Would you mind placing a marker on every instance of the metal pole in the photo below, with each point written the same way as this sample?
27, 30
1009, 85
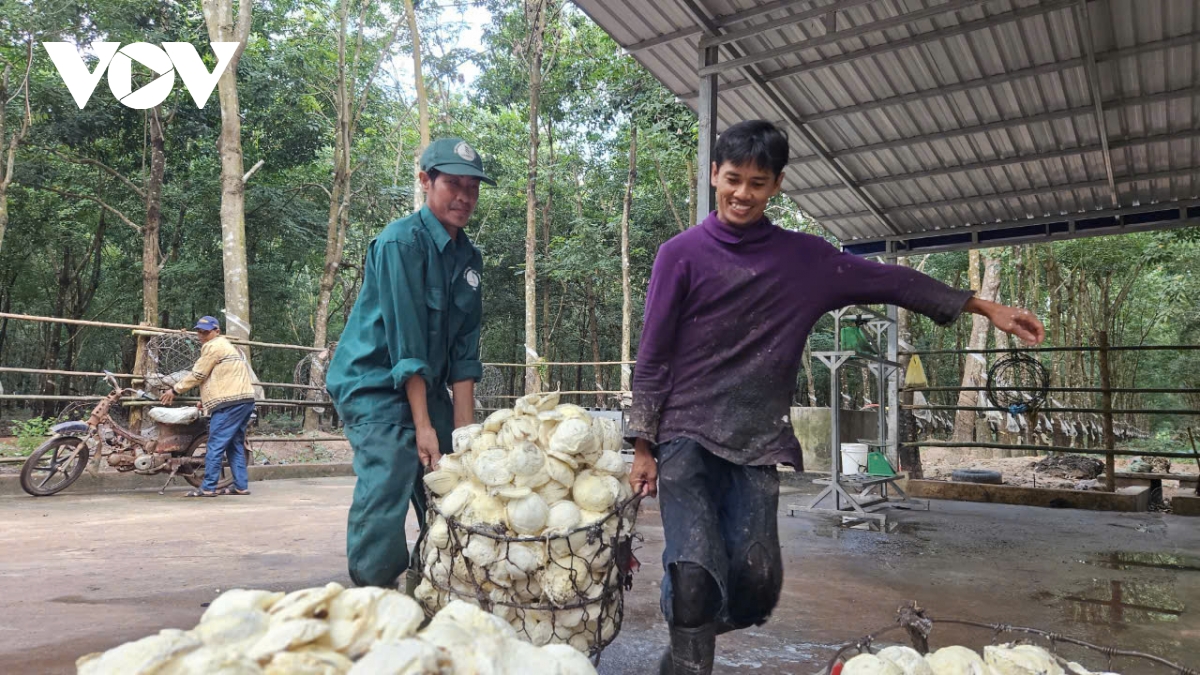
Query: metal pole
1196, 454
835, 405
1110, 442
1083, 25
893, 395
705, 198
1041, 448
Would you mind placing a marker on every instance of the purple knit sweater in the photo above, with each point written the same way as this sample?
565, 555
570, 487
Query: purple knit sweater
728, 311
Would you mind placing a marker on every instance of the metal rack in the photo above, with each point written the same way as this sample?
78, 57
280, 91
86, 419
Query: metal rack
860, 497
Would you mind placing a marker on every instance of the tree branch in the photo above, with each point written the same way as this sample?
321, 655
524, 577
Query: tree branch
25, 81
97, 200
291, 192
99, 165
667, 192
243, 24
362, 103
253, 170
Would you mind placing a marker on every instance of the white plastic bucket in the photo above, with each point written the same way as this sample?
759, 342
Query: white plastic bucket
854, 458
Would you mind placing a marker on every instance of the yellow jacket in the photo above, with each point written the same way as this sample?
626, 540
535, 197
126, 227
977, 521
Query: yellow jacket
223, 376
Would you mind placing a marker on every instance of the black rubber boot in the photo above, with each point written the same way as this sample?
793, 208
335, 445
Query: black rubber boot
664, 664
692, 650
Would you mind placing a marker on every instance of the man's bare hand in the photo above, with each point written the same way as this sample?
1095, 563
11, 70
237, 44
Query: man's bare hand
1015, 321
644, 475
168, 397
427, 447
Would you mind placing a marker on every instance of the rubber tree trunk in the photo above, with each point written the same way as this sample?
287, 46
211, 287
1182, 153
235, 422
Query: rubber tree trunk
536, 16
218, 15
626, 289
594, 334
808, 374
153, 224
691, 178
151, 250
10, 152
339, 208
422, 103
547, 210
964, 421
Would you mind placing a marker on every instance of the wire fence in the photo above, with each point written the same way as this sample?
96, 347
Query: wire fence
502, 382
1061, 428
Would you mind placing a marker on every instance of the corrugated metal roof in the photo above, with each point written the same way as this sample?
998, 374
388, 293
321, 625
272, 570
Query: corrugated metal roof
949, 113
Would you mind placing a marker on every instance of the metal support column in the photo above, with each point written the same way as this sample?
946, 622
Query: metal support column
835, 406
708, 134
894, 381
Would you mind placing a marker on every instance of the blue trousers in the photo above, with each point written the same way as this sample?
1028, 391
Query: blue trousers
227, 436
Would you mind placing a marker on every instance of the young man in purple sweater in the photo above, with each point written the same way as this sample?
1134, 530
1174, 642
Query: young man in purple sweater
728, 310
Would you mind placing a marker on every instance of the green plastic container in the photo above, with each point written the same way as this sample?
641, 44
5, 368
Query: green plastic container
878, 465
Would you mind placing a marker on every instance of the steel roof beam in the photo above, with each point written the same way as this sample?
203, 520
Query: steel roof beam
1001, 125
1007, 161
790, 20
681, 34
1083, 26
779, 103
1017, 194
721, 21
1183, 206
1042, 190
833, 38
1022, 232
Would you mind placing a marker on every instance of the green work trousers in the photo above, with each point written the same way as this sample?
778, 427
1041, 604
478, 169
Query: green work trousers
389, 477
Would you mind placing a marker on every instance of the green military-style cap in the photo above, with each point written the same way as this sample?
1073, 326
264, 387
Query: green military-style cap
456, 157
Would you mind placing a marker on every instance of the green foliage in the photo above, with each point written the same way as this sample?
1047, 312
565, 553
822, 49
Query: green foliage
31, 433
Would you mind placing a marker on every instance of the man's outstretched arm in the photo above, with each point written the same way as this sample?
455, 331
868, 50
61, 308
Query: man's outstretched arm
856, 280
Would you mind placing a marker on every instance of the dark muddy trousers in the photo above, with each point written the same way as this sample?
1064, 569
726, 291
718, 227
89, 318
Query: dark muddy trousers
722, 559
389, 477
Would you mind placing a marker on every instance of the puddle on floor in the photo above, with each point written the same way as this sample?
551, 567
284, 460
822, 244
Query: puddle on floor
1124, 560
1116, 602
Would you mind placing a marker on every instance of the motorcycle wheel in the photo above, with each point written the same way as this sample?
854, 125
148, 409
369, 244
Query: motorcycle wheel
198, 450
47, 472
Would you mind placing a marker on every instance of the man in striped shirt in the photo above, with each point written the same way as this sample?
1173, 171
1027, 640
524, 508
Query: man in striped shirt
227, 396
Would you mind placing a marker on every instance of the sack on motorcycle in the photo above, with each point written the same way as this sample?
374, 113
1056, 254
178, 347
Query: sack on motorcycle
175, 415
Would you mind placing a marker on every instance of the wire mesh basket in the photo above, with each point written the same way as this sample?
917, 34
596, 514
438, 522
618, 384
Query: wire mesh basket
914, 621
1018, 383
172, 353
565, 588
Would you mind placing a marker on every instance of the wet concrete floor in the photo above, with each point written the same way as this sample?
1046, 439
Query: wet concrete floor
80, 573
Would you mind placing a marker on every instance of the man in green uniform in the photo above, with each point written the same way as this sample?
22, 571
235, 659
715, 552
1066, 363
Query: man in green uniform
414, 331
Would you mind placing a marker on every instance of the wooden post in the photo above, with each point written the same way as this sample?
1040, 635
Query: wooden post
140, 367
1106, 403
910, 455
1196, 454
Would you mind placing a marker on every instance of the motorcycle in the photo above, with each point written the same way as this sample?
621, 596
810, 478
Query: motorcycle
162, 447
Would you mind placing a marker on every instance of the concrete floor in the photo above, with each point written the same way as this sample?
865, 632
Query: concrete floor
81, 573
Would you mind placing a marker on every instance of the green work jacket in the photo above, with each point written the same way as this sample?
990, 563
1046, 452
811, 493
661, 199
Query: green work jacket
418, 313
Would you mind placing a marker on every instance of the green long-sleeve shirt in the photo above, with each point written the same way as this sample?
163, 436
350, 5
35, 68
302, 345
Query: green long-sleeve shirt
418, 313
